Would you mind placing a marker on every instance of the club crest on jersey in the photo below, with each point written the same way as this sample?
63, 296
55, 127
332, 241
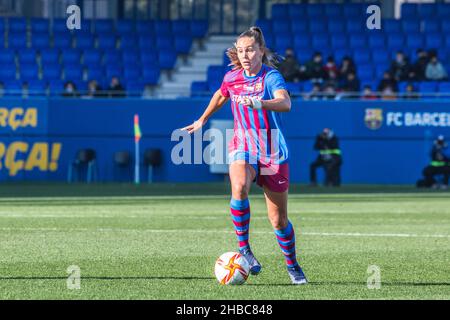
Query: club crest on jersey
258, 86
249, 88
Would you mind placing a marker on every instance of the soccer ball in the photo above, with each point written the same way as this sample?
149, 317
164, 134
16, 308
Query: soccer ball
231, 268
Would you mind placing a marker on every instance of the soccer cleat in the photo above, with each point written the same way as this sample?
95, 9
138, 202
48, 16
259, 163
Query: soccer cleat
297, 276
255, 266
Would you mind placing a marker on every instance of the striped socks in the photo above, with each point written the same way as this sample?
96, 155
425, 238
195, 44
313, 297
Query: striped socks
286, 240
240, 213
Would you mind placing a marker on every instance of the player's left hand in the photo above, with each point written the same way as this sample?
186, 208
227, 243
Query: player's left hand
252, 102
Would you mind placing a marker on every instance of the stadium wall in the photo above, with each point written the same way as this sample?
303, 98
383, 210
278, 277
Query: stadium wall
383, 142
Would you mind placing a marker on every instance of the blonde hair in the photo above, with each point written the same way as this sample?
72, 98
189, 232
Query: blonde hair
269, 58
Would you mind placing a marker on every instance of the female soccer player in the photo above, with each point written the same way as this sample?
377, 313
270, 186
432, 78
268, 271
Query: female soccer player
258, 150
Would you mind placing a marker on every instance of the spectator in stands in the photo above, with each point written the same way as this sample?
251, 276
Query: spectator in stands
368, 94
331, 71
387, 81
290, 68
70, 90
347, 66
411, 92
314, 68
2, 89
329, 93
315, 93
400, 67
351, 84
25, 90
388, 93
94, 90
115, 89
435, 70
418, 69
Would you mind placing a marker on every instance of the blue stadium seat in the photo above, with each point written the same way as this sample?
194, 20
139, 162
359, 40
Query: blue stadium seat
339, 55
56, 87
29, 72
320, 41
215, 73
199, 89
358, 41
94, 73
293, 88
270, 43
282, 42
433, 41
2, 25
17, 41
73, 72
307, 86
36, 86
380, 57
106, 41
199, 28
315, 11
409, 10
164, 43
380, 69
426, 10
103, 26
134, 87
51, 72
296, 11
130, 57
414, 41
181, 27
318, 26
302, 41
62, 40
151, 75
27, 56
280, 11
125, 26
167, 59
112, 57
447, 41
84, 41
146, 42
7, 57
265, 25
8, 72
18, 25
377, 41
70, 56
304, 55
395, 41
183, 44
59, 26
333, 10
49, 56
411, 26
362, 57
39, 25
113, 71
145, 27
365, 72
443, 10
352, 10
391, 26
163, 27
432, 25
299, 26
149, 59
92, 56
2, 40
128, 42
336, 26
281, 26
445, 26
40, 41
356, 25
132, 73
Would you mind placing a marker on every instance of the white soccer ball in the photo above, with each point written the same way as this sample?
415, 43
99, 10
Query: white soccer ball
231, 268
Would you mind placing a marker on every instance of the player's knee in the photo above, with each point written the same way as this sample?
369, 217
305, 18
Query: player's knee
240, 190
278, 222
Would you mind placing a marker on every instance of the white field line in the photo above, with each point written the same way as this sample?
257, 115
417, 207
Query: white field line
321, 234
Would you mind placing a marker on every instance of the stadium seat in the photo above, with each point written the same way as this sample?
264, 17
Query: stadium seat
8, 72
92, 56
103, 26
164, 43
112, 57
365, 72
163, 27
18, 25
145, 27
181, 27
124, 27
73, 72
40, 41
318, 26
62, 40
2, 25
431, 25
199, 28
395, 42
302, 41
425, 11
320, 42
56, 87
36, 87
380, 57
39, 25
106, 41
352, 10
182, 43
95, 73
280, 11
27, 56
49, 56
151, 75
377, 41
51, 72
134, 87
445, 26
146, 42
357, 42
7, 57
336, 27
296, 11
428, 86
444, 87
59, 26
281, 26
391, 26
132, 73
130, 57
355, 25
29, 72
333, 11
362, 57
443, 10
411, 26
17, 40
315, 11
299, 27
128, 42
70, 56
294, 88
409, 10
265, 25
414, 41
84, 41
283, 42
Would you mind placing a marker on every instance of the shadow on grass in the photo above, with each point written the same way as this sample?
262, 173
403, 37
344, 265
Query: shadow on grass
352, 283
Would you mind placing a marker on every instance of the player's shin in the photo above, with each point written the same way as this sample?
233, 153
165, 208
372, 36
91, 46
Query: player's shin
240, 214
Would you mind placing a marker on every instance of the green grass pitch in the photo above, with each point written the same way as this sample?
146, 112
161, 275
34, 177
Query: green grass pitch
161, 242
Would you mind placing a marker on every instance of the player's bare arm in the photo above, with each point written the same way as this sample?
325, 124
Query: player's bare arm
216, 102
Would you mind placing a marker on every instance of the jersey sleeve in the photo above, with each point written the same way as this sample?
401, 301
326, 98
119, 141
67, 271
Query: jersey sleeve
224, 88
275, 81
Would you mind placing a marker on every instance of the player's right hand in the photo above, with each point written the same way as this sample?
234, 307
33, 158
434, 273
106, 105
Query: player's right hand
193, 127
